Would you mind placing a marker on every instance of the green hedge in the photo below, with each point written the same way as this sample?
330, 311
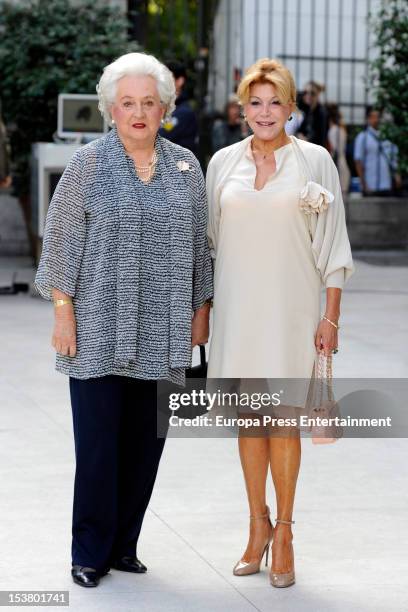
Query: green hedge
48, 47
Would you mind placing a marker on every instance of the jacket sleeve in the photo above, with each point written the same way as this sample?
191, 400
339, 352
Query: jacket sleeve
331, 245
203, 271
64, 235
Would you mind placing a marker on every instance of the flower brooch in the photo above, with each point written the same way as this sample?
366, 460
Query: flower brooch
183, 166
314, 198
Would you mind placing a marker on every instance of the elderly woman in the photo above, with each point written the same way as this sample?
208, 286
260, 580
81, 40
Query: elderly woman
277, 232
126, 262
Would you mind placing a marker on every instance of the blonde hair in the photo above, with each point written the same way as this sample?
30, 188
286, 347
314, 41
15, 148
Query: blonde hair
269, 71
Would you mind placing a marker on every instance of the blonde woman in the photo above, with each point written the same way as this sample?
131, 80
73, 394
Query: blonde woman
278, 235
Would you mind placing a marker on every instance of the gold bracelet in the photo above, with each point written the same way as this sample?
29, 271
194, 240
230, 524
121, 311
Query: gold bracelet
58, 303
332, 323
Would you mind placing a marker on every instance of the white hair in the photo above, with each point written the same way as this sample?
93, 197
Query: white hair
132, 64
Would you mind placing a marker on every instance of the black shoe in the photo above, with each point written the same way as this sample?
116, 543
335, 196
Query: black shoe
85, 576
129, 564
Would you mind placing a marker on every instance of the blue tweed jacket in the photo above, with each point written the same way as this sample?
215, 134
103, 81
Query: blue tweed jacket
91, 251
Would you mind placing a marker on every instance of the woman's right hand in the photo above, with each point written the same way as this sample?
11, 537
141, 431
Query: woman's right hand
64, 336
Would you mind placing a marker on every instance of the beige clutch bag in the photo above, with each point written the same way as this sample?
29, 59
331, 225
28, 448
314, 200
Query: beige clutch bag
324, 404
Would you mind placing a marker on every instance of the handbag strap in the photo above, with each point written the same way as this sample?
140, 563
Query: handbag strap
202, 355
324, 375
383, 152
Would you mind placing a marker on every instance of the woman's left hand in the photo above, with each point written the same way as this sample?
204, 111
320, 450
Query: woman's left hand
326, 338
200, 326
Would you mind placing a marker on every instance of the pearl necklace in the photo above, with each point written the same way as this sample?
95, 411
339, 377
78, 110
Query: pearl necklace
147, 170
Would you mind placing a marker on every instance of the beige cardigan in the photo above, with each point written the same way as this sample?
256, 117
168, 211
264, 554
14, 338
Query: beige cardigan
328, 232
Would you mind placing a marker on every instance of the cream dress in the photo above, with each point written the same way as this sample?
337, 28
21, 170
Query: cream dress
267, 288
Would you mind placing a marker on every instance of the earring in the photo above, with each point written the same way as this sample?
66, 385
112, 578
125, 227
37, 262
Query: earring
113, 121
244, 117
290, 118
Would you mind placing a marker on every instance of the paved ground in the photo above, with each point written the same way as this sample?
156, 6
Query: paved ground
350, 536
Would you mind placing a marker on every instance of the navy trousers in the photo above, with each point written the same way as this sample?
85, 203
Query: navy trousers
117, 456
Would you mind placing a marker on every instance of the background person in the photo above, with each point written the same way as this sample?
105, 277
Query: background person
315, 124
375, 159
337, 140
231, 129
5, 177
276, 239
295, 120
126, 261
182, 126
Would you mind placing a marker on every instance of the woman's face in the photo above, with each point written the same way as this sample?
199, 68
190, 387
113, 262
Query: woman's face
137, 110
266, 115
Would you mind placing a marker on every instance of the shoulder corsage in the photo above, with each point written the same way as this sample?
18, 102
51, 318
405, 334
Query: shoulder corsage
184, 166
314, 198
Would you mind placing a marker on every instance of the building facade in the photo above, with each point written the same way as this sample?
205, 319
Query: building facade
328, 41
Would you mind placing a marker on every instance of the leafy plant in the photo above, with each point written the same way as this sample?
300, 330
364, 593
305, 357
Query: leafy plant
48, 47
389, 73
172, 29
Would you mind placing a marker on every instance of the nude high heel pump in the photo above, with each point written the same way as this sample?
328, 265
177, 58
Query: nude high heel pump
244, 568
288, 578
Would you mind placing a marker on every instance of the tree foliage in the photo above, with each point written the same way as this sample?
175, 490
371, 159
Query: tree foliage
389, 73
48, 47
172, 29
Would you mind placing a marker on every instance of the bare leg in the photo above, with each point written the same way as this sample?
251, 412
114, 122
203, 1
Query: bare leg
254, 455
285, 453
